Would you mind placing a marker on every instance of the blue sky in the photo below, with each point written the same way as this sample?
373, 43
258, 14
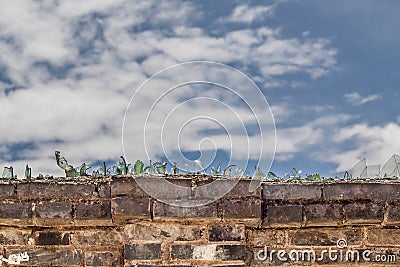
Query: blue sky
329, 70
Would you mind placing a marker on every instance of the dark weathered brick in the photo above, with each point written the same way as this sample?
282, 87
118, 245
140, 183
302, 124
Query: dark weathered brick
165, 210
323, 214
181, 251
288, 192
383, 237
393, 217
265, 237
97, 238
364, 191
93, 210
104, 190
161, 265
226, 233
364, 213
142, 251
53, 210
127, 186
52, 238
15, 210
248, 208
163, 231
46, 190
103, 258
51, 257
14, 237
7, 191
208, 252
324, 237
228, 187
129, 207
283, 216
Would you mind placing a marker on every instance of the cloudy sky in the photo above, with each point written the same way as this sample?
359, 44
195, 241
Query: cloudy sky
69, 69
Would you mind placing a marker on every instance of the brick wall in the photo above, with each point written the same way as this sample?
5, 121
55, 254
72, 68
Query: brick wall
113, 222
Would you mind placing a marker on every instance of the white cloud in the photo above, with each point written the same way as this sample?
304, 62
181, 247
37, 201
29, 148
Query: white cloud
247, 14
374, 142
79, 64
357, 100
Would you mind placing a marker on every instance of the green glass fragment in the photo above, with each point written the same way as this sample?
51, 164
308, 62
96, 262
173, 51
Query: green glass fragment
161, 168
271, 175
8, 173
313, 177
28, 172
138, 167
81, 170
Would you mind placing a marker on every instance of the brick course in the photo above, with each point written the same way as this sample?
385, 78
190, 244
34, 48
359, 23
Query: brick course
112, 221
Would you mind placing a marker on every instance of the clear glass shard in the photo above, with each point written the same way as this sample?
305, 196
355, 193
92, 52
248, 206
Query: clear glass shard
373, 171
258, 173
390, 168
239, 171
358, 169
216, 171
364, 173
175, 169
200, 165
